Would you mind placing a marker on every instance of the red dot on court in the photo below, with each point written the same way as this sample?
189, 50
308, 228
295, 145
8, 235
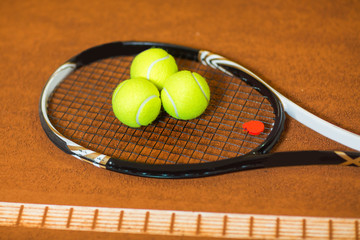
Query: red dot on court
254, 127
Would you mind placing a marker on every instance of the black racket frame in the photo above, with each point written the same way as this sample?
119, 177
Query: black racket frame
252, 160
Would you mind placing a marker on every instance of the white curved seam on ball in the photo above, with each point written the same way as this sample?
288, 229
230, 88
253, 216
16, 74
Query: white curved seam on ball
172, 102
153, 64
123, 83
142, 106
202, 90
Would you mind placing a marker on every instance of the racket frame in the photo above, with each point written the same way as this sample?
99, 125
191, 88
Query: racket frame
156, 170
252, 160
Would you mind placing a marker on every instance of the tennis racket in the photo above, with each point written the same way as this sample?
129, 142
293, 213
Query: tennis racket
76, 114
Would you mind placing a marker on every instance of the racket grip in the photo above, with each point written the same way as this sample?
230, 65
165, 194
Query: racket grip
246, 162
301, 158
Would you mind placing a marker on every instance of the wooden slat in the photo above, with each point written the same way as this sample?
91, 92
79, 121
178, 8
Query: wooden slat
176, 223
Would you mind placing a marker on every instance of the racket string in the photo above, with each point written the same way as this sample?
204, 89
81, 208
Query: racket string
105, 90
84, 122
95, 115
81, 110
69, 113
106, 102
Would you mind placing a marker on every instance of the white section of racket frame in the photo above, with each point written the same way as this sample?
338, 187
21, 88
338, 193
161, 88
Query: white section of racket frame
313, 122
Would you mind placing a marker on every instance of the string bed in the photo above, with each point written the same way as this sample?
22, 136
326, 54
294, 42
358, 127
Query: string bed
80, 109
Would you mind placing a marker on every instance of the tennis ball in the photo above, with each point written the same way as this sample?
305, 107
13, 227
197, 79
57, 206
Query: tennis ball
136, 102
154, 64
185, 95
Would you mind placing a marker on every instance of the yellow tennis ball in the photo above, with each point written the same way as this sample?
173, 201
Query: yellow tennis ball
185, 95
136, 102
154, 64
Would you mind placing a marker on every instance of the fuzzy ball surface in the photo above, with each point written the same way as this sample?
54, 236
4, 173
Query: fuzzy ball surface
136, 102
185, 95
154, 64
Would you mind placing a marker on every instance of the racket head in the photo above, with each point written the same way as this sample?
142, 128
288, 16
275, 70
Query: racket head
76, 114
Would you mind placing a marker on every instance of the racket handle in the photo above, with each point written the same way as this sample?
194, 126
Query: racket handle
321, 126
246, 162
301, 158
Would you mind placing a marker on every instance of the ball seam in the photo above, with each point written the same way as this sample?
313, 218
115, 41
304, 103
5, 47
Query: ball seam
153, 64
202, 90
172, 102
117, 91
142, 105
